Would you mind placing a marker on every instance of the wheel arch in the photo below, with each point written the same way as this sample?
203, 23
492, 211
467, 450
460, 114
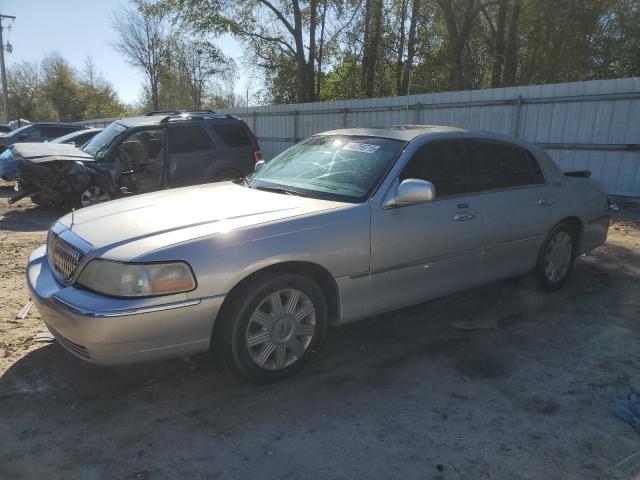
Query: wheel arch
577, 224
313, 271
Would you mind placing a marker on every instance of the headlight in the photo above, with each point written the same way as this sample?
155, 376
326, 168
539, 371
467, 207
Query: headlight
136, 279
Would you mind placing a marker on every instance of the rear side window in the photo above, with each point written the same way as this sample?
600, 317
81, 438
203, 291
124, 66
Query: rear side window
233, 136
500, 165
188, 139
55, 132
443, 164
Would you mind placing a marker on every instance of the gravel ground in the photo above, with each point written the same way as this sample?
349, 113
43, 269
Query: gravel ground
403, 395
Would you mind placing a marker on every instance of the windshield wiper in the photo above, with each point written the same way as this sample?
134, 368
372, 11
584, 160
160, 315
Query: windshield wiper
283, 190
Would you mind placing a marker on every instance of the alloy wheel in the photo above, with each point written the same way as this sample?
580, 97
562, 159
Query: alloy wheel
92, 195
281, 329
557, 258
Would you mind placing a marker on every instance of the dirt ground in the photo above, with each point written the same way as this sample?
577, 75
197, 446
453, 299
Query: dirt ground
403, 395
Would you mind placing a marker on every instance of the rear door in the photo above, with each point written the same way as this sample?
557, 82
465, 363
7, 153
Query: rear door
519, 206
238, 145
423, 251
191, 151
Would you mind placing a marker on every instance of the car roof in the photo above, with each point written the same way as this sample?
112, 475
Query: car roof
157, 118
396, 132
54, 124
409, 132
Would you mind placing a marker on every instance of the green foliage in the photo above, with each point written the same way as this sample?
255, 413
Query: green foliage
55, 91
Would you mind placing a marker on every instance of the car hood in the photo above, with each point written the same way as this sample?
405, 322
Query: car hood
49, 152
159, 219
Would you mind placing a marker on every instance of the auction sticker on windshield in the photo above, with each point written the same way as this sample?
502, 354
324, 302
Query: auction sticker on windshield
361, 147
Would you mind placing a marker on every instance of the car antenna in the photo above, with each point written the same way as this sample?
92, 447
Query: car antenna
73, 210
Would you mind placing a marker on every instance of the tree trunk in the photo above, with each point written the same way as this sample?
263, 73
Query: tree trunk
375, 36
311, 62
365, 44
403, 19
301, 63
320, 49
511, 53
411, 46
499, 46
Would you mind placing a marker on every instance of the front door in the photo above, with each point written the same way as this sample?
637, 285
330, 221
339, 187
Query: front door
423, 251
140, 160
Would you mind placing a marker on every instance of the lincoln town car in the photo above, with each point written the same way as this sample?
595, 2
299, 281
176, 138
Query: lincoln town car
342, 226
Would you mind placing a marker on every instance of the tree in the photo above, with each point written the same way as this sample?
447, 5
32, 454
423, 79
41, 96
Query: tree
60, 87
97, 95
142, 37
26, 96
286, 37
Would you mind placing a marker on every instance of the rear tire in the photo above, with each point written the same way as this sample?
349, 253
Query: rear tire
557, 257
272, 327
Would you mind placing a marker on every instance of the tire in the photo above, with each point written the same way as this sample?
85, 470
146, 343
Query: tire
226, 174
263, 346
557, 257
37, 199
90, 195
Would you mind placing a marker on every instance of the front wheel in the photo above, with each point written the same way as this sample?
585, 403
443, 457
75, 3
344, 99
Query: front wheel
91, 195
557, 256
272, 328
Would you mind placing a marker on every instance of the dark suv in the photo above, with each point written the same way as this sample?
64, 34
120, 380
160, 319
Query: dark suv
138, 155
37, 132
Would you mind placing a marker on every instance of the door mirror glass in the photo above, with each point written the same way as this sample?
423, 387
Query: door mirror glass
410, 192
259, 165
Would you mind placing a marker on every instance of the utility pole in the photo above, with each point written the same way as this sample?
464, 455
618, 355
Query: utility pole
3, 71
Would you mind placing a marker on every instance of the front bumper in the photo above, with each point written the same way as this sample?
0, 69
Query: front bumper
111, 331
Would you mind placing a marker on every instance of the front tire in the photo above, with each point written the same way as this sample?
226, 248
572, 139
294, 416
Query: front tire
272, 327
91, 195
557, 257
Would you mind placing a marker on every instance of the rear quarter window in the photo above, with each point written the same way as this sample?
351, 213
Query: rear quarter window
232, 135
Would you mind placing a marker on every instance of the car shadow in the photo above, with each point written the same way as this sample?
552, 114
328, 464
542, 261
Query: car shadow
375, 344
30, 219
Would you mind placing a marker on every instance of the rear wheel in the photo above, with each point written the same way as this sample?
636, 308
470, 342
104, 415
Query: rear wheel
557, 256
272, 328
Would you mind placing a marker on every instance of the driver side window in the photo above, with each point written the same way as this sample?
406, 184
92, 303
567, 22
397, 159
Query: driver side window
141, 151
442, 163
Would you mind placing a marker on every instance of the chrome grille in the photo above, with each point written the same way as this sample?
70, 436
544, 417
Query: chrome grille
63, 256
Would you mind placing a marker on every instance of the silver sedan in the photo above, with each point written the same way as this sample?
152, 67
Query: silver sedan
342, 226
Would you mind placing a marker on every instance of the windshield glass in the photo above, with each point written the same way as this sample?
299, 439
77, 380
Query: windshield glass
333, 167
98, 145
17, 131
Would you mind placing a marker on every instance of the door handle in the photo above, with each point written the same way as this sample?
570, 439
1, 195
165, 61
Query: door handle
465, 216
545, 202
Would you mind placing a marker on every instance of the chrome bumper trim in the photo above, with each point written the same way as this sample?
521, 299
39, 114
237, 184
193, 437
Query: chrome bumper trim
130, 311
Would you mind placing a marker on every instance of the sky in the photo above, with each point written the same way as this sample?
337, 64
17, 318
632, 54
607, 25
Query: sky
75, 29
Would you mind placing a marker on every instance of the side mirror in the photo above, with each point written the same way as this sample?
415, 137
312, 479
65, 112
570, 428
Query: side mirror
259, 165
410, 192
23, 136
